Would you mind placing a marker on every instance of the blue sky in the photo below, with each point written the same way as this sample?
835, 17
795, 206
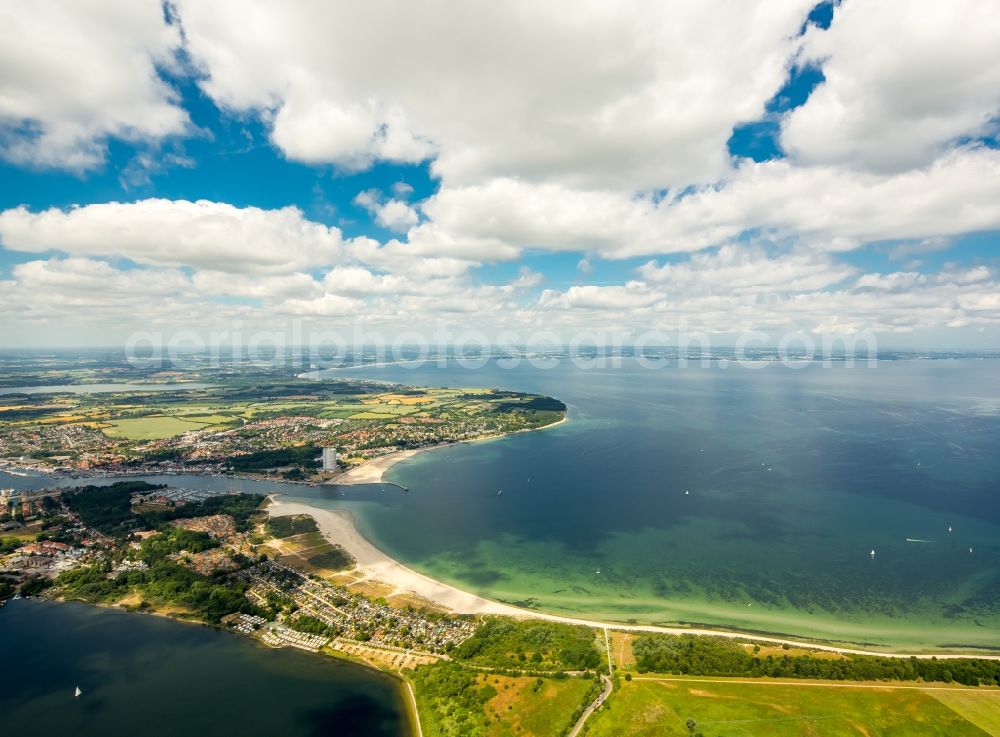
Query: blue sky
501, 169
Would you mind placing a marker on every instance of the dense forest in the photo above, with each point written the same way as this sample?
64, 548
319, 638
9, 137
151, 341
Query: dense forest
302, 456
713, 656
165, 582
241, 507
108, 509
450, 695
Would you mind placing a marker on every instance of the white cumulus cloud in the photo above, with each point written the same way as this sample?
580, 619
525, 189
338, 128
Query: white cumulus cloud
202, 234
583, 93
904, 80
73, 74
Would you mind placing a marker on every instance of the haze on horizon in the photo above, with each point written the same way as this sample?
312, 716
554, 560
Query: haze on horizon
563, 166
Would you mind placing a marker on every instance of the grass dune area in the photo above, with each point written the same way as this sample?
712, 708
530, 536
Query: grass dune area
532, 707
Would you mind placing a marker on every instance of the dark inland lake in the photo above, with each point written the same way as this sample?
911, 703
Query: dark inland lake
150, 676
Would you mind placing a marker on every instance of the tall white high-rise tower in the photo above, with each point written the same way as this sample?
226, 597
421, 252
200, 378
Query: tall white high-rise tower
329, 459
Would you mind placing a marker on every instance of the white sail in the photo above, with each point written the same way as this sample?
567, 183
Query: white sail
78, 692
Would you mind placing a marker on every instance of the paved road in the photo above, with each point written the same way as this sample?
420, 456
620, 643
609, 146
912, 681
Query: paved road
605, 692
593, 707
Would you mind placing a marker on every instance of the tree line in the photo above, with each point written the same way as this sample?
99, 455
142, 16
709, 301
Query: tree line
712, 656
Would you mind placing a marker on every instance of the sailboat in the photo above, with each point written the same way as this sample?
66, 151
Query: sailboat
873, 552
78, 692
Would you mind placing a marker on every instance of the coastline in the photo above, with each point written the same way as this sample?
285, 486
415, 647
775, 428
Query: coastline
339, 527
370, 472
373, 472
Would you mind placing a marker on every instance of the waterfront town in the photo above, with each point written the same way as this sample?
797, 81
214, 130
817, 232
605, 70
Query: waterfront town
49, 537
296, 430
330, 611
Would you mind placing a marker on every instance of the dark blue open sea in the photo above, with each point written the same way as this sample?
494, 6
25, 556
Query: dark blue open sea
749, 498
742, 497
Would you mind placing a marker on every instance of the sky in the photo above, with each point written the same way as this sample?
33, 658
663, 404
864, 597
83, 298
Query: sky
521, 171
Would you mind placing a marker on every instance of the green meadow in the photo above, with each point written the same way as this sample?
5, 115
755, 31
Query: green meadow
647, 706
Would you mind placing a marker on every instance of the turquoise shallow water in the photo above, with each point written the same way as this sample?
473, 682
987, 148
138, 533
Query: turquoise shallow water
144, 675
739, 497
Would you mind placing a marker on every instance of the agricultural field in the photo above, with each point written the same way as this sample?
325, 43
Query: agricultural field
647, 706
153, 427
982, 711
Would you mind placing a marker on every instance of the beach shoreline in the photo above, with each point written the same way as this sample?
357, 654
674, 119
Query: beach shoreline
373, 471
339, 527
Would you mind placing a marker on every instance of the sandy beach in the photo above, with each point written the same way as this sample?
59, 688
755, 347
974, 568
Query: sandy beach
374, 471
339, 528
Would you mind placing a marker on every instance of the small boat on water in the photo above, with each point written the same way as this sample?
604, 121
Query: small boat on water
78, 692
872, 553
